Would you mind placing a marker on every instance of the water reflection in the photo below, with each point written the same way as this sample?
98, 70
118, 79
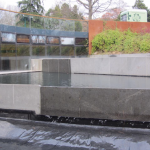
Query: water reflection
45, 79
77, 80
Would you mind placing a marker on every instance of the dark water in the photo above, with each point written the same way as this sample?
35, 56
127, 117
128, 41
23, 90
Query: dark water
77, 80
40, 78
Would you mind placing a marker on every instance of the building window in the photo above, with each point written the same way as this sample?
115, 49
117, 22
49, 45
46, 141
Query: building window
8, 37
67, 41
124, 17
36, 39
23, 38
81, 41
52, 40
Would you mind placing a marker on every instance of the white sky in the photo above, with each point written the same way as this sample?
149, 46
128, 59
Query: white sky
51, 3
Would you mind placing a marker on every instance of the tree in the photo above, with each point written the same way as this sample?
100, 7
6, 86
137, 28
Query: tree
31, 7
64, 11
111, 14
114, 13
139, 4
94, 6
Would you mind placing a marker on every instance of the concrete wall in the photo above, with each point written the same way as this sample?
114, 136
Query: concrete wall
20, 97
121, 104
137, 66
56, 65
36, 64
132, 65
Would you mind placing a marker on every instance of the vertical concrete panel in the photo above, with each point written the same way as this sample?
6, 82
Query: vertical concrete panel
64, 66
95, 27
45, 65
36, 64
136, 66
118, 66
59, 101
6, 95
20, 97
90, 65
147, 66
121, 104
27, 97
56, 65
50, 65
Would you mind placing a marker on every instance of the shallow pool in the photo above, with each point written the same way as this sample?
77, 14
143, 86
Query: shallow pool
77, 80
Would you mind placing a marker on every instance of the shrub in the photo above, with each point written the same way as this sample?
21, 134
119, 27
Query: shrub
124, 42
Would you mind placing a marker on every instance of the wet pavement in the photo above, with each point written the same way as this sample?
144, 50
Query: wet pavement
20, 134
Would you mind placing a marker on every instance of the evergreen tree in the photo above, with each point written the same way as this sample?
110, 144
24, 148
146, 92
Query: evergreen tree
139, 4
65, 11
31, 7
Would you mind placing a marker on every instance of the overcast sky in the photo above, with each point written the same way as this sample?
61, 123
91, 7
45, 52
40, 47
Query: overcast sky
51, 3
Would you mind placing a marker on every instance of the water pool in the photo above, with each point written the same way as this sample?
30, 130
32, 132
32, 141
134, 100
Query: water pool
77, 80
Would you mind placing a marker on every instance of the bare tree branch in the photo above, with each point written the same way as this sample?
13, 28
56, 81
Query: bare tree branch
94, 6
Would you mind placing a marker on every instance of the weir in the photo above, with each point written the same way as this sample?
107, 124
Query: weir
65, 88
63, 79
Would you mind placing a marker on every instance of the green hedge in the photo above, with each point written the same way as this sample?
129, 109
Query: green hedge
124, 42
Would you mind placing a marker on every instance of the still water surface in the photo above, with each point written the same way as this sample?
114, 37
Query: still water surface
77, 80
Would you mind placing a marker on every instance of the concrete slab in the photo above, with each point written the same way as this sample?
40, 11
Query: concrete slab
90, 65
6, 95
36, 64
45, 65
15, 72
57, 101
147, 66
118, 66
64, 66
20, 97
27, 97
117, 104
136, 66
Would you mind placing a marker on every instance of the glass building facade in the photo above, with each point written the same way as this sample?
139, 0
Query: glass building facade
29, 37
